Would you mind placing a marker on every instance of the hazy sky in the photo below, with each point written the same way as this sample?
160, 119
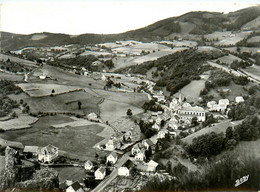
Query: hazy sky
100, 16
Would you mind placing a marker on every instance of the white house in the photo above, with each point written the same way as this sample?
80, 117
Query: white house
140, 156
75, 187
136, 149
173, 123
187, 113
212, 105
100, 173
103, 78
92, 117
222, 104
112, 158
112, 144
156, 126
151, 166
161, 134
88, 165
125, 169
239, 99
158, 120
48, 154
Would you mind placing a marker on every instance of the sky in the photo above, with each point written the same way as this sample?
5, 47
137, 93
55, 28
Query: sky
100, 16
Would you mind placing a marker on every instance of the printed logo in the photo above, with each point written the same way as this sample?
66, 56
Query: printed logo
241, 180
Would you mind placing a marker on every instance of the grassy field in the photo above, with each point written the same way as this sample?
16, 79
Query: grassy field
22, 122
70, 173
219, 128
77, 141
253, 71
62, 103
114, 110
235, 90
39, 90
192, 90
228, 59
252, 50
18, 60
248, 148
11, 77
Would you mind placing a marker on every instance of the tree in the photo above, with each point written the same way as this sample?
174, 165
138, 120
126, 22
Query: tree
194, 121
229, 133
52, 91
129, 112
79, 104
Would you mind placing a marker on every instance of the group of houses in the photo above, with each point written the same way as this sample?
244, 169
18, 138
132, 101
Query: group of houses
45, 154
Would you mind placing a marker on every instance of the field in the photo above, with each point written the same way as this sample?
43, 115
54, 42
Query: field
219, 128
11, 77
38, 37
77, 141
228, 59
253, 71
22, 122
40, 90
70, 173
184, 43
114, 110
254, 39
248, 148
192, 90
18, 60
252, 50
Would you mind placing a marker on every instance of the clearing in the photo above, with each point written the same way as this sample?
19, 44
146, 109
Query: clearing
192, 90
218, 128
253, 71
77, 141
22, 122
17, 60
227, 59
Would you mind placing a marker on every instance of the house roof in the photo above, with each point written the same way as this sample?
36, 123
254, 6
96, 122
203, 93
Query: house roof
128, 164
152, 163
31, 149
113, 154
149, 142
76, 186
49, 149
88, 162
196, 108
101, 169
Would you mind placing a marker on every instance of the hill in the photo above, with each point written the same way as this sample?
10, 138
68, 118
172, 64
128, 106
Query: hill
192, 23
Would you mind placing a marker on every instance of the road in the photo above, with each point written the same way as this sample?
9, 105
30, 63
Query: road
113, 174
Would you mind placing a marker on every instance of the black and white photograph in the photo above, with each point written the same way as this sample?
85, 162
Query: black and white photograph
129, 95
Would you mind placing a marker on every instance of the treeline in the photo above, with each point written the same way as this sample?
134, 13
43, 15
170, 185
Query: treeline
176, 70
249, 107
218, 175
8, 87
212, 144
82, 61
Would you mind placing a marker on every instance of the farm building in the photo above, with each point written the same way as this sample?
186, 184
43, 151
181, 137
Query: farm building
92, 117
75, 187
88, 165
125, 169
239, 99
31, 150
48, 154
113, 144
140, 155
222, 104
100, 173
112, 158
151, 166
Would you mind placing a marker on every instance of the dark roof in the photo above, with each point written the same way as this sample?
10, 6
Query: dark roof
76, 186
128, 164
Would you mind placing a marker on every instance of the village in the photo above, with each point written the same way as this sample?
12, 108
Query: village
128, 154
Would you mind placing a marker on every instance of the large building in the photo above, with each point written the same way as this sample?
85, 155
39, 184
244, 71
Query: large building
187, 113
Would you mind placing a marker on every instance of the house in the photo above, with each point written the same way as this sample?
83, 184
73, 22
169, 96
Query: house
173, 123
31, 150
187, 113
75, 187
112, 158
239, 99
125, 169
158, 120
100, 173
222, 104
136, 149
92, 117
156, 126
103, 78
161, 134
151, 166
212, 105
88, 165
141, 155
112, 144
48, 154
147, 143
